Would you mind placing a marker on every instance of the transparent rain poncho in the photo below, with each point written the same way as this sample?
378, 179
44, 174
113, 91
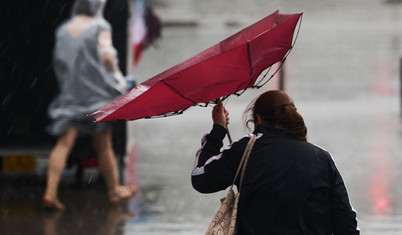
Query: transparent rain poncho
85, 83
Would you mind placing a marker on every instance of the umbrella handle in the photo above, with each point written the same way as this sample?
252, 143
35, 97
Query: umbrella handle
229, 137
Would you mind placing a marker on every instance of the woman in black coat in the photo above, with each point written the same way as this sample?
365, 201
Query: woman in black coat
290, 185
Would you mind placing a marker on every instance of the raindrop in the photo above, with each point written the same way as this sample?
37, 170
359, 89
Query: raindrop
48, 68
62, 9
34, 81
10, 129
6, 99
90, 179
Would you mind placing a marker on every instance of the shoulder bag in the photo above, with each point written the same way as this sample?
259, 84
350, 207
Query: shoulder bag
224, 221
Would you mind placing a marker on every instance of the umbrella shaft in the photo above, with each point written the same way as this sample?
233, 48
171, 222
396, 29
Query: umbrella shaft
229, 137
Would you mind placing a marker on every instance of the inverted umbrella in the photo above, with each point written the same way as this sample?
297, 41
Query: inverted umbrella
227, 68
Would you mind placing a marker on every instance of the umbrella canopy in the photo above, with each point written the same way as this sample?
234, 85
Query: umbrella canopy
226, 68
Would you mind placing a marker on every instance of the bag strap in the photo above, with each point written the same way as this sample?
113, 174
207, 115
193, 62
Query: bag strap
244, 160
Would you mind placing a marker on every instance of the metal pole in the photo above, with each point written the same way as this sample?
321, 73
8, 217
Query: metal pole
400, 85
129, 56
282, 78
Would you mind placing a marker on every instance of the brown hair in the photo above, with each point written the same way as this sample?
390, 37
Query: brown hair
276, 108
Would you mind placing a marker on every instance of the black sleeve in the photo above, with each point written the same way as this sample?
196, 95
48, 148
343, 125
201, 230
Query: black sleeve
343, 216
214, 169
211, 144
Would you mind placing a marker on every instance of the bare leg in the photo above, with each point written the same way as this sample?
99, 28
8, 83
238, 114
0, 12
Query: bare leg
108, 168
57, 162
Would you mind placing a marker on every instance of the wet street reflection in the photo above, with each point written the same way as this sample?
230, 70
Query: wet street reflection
88, 211
383, 168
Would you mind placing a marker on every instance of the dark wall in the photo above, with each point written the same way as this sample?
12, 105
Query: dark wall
27, 82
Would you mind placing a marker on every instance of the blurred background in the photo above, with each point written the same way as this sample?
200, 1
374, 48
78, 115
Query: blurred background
344, 77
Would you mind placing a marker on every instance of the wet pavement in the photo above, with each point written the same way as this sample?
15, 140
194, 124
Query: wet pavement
343, 75
88, 212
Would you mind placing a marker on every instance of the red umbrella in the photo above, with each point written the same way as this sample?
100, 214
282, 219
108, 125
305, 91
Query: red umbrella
229, 67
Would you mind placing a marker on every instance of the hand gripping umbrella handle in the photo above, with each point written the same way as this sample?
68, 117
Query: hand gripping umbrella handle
226, 127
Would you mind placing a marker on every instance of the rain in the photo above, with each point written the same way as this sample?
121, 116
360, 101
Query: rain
343, 75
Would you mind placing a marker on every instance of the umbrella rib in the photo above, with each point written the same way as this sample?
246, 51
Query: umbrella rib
167, 114
251, 74
178, 92
250, 63
251, 70
258, 84
239, 93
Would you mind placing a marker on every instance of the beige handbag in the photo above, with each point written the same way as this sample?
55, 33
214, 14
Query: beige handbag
224, 222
